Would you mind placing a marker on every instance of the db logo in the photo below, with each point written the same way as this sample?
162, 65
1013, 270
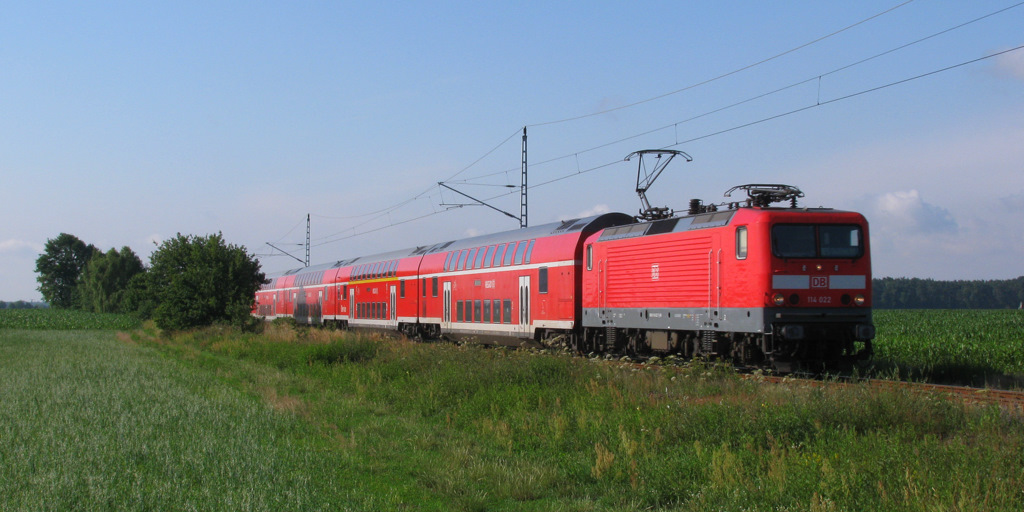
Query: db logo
654, 272
819, 281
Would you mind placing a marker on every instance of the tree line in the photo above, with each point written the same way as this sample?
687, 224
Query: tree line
915, 293
190, 281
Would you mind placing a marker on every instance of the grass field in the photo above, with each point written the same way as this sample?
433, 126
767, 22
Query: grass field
64, 319
976, 347
298, 419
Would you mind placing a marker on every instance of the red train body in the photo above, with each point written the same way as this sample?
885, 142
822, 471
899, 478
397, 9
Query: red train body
784, 286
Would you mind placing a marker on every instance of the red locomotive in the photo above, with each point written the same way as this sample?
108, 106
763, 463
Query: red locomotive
752, 283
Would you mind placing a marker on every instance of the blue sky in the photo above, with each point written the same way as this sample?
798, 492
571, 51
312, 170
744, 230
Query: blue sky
124, 123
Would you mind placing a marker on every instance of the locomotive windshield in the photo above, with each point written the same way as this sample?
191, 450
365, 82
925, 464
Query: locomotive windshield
817, 241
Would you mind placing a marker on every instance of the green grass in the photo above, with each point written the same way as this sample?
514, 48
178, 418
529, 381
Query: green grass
64, 319
88, 422
975, 347
299, 419
493, 429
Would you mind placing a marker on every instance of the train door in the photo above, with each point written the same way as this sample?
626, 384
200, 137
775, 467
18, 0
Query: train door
274, 311
318, 315
714, 308
392, 310
524, 304
446, 319
351, 303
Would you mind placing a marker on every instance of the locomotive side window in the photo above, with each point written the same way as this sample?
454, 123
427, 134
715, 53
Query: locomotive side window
590, 257
741, 243
817, 241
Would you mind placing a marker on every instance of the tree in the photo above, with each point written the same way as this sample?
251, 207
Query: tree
197, 281
104, 281
59, 268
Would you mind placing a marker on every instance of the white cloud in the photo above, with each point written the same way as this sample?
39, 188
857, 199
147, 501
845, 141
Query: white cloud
13, 246
906, 211
1011, 64
597, 209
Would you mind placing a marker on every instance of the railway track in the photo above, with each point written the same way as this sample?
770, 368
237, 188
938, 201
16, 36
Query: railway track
1008, 400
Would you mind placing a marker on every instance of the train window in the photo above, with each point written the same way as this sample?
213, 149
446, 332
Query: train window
447, 261
506, 310
741, 243
462, 258
433, 287
479, 259
487, 311
384, 310
497, 311
401, 288
497, 255
476, 311
470, 259
838, 241
458, 311
542, 280
469, 310
509, 251
520, 249
394, 268
488, 256
529, 250
817, 241
423, 287
590, 257
793, 241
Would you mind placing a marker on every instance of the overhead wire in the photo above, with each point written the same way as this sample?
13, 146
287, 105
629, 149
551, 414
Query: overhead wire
386, 211
752, 98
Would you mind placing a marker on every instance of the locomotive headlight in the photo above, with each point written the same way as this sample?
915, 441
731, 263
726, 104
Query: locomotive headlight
779, 299
859, 300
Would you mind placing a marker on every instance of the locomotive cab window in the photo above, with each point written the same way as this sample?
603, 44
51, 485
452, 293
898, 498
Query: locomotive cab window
590, 257
817, 241
741, 243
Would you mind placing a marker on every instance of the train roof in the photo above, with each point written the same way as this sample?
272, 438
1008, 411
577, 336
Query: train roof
584, 226
704, 220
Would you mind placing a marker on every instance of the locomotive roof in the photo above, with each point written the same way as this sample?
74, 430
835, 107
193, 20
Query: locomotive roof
584, 225
693, 222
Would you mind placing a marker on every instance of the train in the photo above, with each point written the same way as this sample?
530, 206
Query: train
749, 282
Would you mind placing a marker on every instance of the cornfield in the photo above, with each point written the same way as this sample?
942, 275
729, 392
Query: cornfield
951, 344
64, 319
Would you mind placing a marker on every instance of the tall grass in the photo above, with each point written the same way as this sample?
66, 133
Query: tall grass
484, 429
91, 423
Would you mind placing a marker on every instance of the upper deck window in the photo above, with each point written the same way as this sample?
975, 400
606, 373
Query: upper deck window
817, 241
